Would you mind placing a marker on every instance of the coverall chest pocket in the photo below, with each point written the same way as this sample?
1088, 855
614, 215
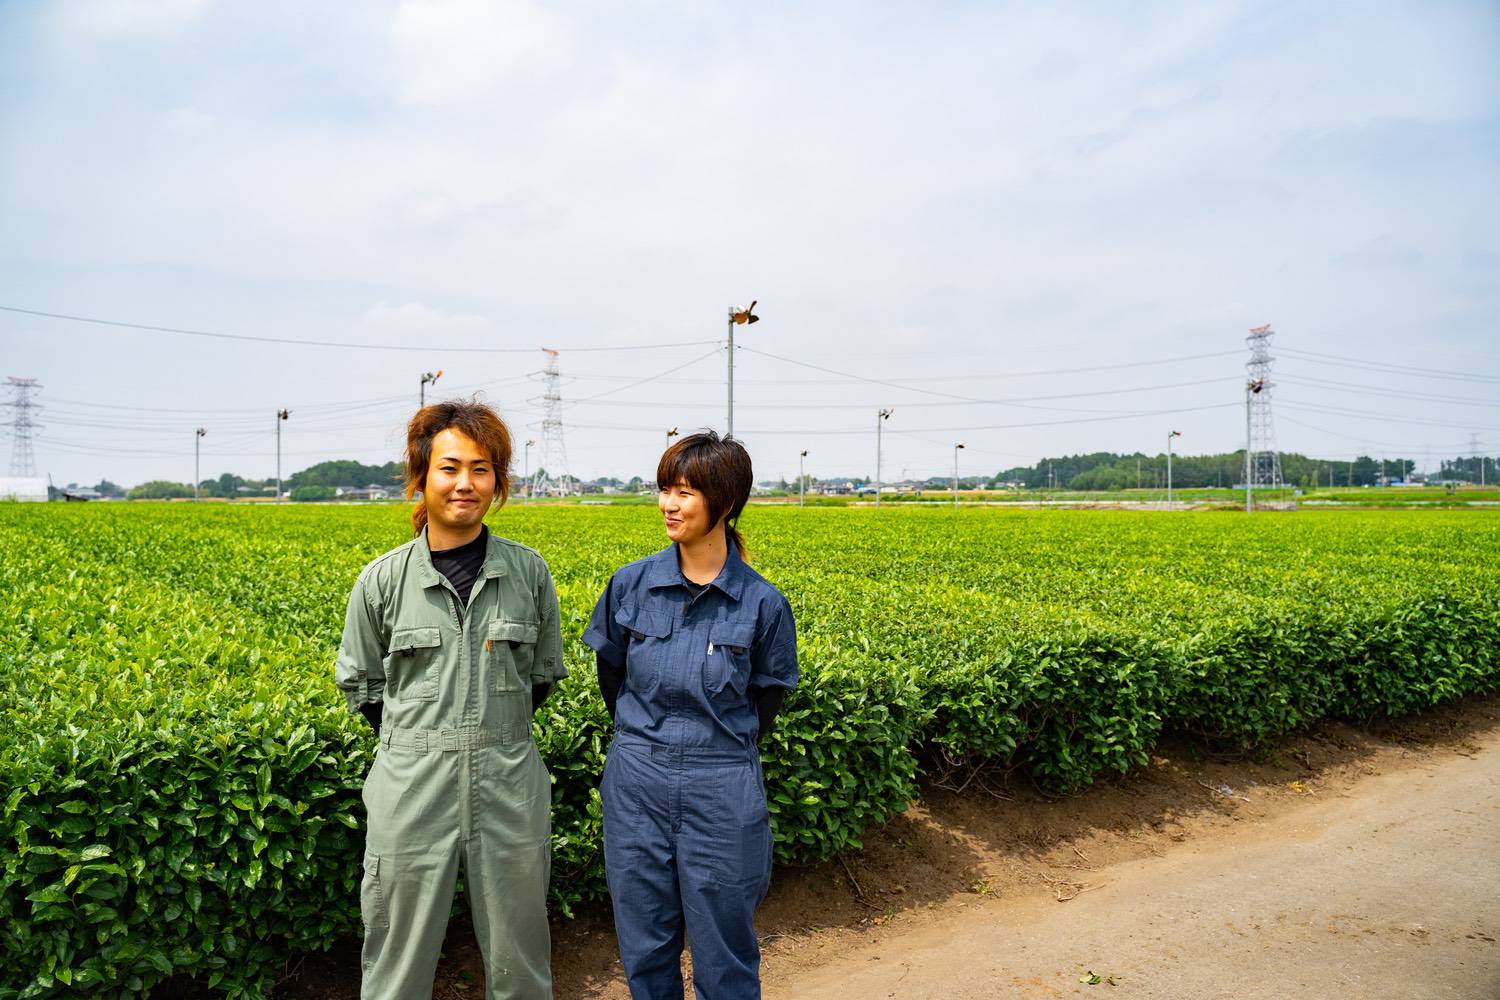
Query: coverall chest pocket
411, 666
726, 666
648, 633
510, 649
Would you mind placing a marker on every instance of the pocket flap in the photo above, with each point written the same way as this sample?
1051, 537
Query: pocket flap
732, 633
422, 637
513, 631
652, 623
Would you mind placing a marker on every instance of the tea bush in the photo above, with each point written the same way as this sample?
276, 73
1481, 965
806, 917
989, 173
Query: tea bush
181, 780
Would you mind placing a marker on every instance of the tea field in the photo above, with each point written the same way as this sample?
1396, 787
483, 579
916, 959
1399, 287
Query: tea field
181, 779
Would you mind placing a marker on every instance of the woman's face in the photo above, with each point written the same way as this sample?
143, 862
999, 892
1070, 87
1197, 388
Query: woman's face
685, 513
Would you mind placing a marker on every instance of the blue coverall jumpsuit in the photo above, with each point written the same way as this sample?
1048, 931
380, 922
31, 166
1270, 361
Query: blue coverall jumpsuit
687, 837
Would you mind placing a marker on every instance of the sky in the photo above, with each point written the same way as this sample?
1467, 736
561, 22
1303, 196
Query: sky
1036, 229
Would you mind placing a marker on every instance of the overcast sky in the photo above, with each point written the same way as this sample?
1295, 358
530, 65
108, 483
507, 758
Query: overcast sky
952, 202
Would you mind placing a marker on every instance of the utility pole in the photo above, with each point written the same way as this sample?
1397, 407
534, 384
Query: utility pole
880, 420
802, 478
422, 392
737, 317
526, 472
957, 447
1173, 434
281, 415
198, 437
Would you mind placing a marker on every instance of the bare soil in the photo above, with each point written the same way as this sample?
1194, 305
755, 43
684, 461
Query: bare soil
1343, 861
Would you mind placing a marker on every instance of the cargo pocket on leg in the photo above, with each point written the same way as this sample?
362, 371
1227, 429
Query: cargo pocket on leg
372, 908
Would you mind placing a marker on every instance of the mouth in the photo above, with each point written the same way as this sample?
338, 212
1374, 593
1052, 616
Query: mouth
673, 522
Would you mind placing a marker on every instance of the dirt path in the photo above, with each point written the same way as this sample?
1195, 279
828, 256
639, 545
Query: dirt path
1344, 862
1389, 889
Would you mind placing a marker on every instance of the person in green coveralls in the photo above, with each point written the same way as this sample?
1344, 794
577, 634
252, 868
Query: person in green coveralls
450, 643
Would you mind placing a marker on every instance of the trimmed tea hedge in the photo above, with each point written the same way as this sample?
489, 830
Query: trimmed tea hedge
181, 781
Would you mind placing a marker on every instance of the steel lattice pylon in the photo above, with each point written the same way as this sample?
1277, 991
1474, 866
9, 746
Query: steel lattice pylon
22, 452
551, 477
1263, 461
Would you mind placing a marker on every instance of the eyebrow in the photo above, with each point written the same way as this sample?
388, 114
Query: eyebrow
460, 461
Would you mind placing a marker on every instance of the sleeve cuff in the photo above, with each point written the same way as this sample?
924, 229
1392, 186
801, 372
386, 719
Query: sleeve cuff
551, 672
361, 695
608, 651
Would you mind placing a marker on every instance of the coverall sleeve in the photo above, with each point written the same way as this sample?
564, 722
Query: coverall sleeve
359, 669
773, 658
604, 635
548, 666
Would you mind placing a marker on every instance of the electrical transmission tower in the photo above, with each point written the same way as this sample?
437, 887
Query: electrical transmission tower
551, 476
1262, 461
22, 453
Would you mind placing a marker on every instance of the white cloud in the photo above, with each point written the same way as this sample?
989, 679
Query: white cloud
455, 51
130, 18
417, 322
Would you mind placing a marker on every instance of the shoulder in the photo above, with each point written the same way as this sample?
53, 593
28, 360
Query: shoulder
762, 595
632, 574
516, 553
380, 573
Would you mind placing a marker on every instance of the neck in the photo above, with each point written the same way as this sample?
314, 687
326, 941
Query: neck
702, 559
440, 537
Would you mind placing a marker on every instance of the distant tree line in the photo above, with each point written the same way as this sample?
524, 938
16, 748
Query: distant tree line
1100, 470
1104, 470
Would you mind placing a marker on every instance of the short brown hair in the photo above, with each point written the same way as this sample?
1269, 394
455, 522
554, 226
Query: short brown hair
479, 422
719, 468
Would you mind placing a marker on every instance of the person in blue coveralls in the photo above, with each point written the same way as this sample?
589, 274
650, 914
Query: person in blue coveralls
696, 652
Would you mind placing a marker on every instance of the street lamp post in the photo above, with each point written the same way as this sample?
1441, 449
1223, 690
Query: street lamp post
198, 437
885, 414
1170, 436
426, 378
526, 472
737, 317
281, 415
957, 447
802, 478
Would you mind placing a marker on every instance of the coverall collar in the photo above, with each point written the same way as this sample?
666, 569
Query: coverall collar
494, 562
666, 571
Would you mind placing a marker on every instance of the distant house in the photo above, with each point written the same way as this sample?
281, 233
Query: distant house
373, 491
81, 493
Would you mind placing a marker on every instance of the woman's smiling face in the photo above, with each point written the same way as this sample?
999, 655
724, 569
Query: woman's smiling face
684, 512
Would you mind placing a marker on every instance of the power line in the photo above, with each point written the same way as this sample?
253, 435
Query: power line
1389, 368
425, 348
898, 384
649, 378
1384, 391
1013, 401
1393, 418
998, 427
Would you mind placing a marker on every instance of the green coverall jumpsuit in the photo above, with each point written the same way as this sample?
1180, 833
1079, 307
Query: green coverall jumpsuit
456, 774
